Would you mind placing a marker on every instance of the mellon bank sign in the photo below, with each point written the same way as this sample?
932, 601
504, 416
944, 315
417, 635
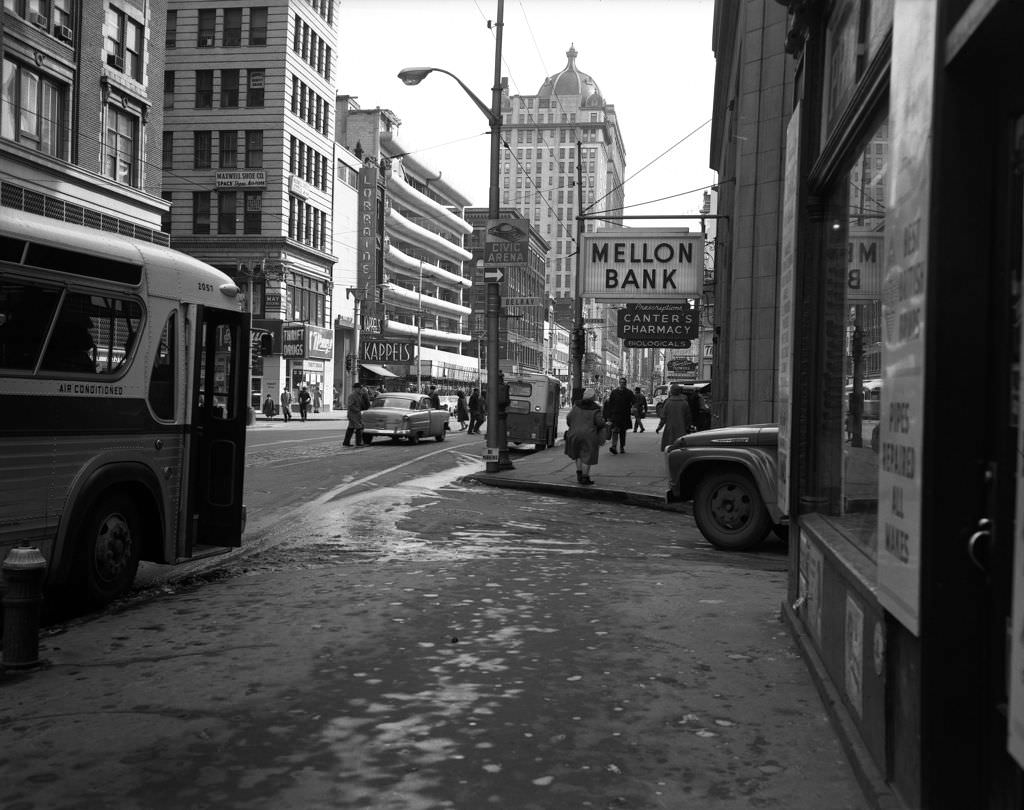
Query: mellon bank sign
630, 264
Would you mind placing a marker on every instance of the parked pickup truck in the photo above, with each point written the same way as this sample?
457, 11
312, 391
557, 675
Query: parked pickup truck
730, 474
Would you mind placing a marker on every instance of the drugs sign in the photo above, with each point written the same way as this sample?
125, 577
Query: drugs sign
659, 322
623, 264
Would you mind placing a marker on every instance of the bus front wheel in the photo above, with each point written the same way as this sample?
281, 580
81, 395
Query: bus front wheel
109, 549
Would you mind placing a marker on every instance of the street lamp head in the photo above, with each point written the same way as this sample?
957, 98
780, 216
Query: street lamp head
414, 75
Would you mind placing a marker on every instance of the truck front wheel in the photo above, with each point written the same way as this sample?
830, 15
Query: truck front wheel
730, 512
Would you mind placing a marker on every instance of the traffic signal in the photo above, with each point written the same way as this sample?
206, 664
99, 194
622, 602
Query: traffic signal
266, 344
579, 342
348, 362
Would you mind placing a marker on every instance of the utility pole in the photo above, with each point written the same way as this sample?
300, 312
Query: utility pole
357, 329
578, 342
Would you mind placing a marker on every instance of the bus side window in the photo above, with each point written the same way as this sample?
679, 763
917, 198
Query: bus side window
93, 335
25, 315
71, 346
162, 377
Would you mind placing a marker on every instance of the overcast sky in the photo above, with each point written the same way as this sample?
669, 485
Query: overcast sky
652, 59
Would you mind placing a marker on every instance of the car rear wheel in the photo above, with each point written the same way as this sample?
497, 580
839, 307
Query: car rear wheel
729, 511
414, 438
440, 436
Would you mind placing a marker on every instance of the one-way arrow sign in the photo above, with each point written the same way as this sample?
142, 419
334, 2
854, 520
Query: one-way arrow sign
493, 275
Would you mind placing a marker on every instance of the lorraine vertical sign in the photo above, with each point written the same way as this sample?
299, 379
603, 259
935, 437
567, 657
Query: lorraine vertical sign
626, 264
658, 326
506, 243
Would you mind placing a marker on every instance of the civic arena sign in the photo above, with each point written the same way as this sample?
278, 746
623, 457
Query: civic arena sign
628, 264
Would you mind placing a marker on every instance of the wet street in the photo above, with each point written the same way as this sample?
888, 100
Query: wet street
433, 643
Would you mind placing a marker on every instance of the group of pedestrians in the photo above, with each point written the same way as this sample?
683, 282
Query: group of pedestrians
590, 424
306, 400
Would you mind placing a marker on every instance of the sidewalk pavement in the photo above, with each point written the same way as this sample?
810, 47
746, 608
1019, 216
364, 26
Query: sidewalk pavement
635, 477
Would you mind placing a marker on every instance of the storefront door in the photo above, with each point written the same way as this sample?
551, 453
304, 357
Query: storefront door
991, 546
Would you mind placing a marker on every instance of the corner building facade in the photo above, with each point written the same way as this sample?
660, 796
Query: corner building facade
411, 268
248, 167
900, 430
80, 121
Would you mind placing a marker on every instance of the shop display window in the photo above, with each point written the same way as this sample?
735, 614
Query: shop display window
851, 334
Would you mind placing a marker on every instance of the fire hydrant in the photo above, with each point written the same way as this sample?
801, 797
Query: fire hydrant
23, 570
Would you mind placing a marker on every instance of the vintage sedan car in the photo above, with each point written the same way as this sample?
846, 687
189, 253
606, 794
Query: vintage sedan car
404, 416
730, 474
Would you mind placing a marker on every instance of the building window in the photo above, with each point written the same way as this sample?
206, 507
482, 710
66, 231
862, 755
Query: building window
258, 26
253, 222
167, 153
124, 38
254, 149
229, 88
168, 89
121, 148
307, 299
852, 263
200, 212
171, 36
254, 93
201, 149
228, 144
207, 27
232, 27
33, 110
204, 89
227, 204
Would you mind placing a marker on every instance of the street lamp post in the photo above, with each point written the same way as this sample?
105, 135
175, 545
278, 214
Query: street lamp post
495, 427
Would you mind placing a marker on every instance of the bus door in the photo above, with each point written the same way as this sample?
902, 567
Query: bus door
220, 410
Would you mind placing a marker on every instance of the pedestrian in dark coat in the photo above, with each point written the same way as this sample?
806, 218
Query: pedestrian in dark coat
304, 400
582, 439
675, 417
356, 403
639, 410
268, 407
617, 411
435, 400
476, 411
286, 404
461, 410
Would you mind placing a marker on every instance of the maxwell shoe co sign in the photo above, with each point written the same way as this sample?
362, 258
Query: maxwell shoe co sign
623, 264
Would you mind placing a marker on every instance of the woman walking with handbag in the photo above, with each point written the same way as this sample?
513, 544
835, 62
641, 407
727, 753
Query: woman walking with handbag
583, 438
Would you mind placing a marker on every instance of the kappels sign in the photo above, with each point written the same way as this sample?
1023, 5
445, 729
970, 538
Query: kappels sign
628, 264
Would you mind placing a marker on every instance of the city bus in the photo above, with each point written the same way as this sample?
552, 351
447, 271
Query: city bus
532, 410
123, 403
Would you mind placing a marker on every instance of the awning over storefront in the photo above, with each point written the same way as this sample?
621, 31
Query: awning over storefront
380, 371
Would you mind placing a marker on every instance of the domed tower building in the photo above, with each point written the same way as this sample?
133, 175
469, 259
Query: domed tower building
539, 176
